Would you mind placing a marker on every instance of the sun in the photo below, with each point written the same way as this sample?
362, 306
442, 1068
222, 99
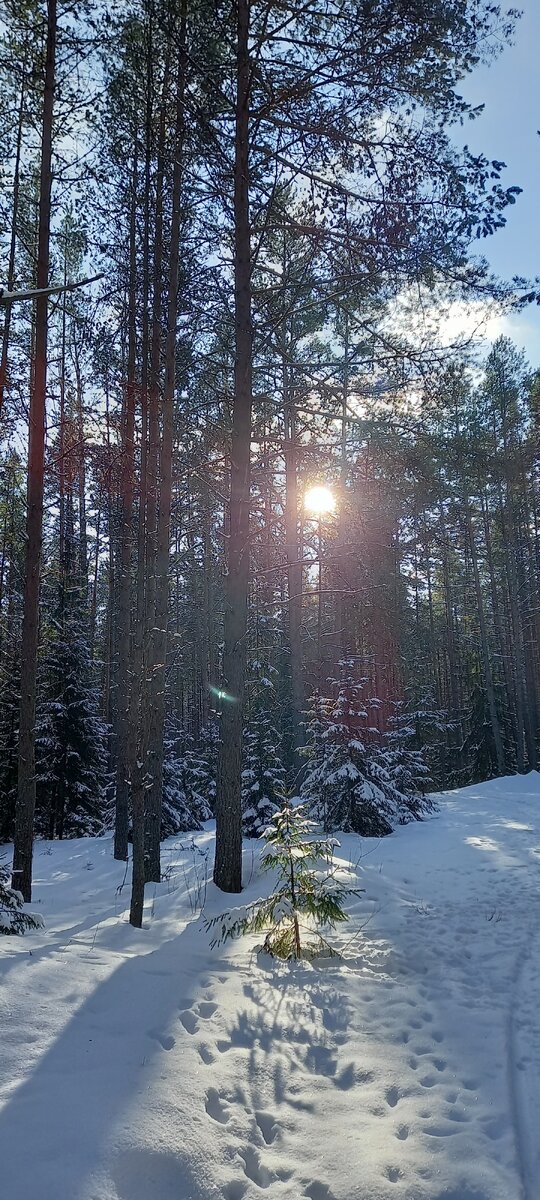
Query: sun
319, 500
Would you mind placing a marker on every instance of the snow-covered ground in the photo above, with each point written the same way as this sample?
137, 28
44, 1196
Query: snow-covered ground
142, 1065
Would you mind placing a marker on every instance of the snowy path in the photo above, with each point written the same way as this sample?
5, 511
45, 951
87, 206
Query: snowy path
144, 1066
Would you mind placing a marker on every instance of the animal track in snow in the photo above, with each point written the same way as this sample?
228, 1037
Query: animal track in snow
189, 1020
347, 1078
439, 1130
206, 1009
215, 1107
268, 1126
402, 1133
391, 1096
457, 1114
393, 1174
234, 1190
318, 1191
254, 1168
165, 1040
206, 1053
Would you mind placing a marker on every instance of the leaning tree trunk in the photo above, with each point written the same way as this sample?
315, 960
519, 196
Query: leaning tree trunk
228, 860
26, 798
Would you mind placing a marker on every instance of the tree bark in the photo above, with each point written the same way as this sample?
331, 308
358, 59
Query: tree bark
26, 799
159, 662
123, 616
228, 860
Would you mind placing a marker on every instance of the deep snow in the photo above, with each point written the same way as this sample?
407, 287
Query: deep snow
142, 1065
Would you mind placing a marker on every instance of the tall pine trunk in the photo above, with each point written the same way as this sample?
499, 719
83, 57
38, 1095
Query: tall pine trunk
125, 554
228, 860
157, 721
26, 799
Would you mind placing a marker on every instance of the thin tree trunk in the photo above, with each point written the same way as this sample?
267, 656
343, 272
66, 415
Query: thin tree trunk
139, 716
13, 239
486, 656
157, 722
123, 614
228, 860
26, 799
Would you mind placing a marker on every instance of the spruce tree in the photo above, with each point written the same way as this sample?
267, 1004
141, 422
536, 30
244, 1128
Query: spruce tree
359, 779
308, 897
188, 783
72, 777
263, 772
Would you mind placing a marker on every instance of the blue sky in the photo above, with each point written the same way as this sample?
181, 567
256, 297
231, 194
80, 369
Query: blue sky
510, 90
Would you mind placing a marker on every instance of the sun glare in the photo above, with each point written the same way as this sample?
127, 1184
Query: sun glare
319, 500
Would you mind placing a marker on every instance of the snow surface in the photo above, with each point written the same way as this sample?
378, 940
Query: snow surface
142, 1065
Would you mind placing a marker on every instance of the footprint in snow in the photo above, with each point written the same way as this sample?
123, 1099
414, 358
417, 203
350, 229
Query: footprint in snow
318, 1191
205, 1053
234, 1190
392, 1096
348, 1077
189, 1020
206, 1009
254, 1168
402, 1133
165, 1040
215, 1107
268, 1126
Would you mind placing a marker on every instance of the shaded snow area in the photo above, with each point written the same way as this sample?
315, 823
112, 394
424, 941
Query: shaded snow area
142, 1065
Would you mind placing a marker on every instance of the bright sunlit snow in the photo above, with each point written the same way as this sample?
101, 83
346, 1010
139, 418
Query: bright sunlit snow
142, 1065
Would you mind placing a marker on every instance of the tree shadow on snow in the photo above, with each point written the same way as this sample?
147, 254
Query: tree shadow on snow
95, 1094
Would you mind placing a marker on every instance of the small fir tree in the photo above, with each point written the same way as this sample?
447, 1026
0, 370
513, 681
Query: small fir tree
13, 917
307, 898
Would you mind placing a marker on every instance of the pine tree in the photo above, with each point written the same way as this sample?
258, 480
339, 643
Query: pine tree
308, 896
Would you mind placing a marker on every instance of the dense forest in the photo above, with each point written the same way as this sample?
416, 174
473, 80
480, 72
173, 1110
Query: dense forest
267, 526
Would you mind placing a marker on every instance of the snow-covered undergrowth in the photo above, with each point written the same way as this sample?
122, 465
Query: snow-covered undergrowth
142, 1065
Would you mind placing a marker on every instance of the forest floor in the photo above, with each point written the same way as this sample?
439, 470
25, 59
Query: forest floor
143, 1065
